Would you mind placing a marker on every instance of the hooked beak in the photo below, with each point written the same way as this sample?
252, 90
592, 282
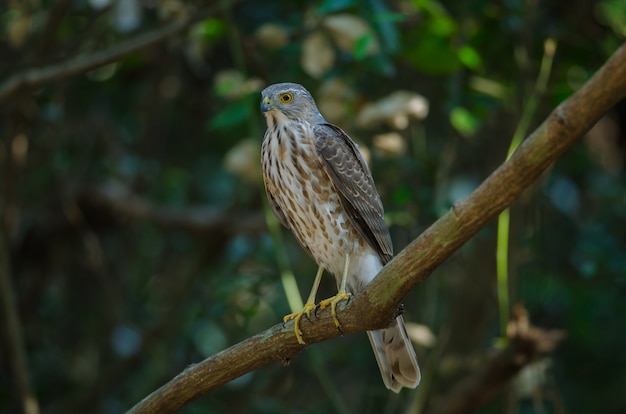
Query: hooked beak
266, 104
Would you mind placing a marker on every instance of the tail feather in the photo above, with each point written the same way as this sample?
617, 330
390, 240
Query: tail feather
395, 356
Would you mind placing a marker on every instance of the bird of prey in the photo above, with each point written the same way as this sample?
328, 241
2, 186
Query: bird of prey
320, 188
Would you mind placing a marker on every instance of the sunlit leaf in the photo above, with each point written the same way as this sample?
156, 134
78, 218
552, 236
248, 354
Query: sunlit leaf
394, 109
272, 36
442, 26
334, 98
18, 28
391, 144
210, 28
489, 87
470, 57
228, 81
463, 121
317, 55
347, 29
421, 334
243, 160
613, 13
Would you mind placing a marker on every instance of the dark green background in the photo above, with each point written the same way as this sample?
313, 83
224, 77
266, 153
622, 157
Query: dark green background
113, 302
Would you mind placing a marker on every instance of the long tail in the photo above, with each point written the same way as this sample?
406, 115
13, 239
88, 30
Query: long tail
395, 356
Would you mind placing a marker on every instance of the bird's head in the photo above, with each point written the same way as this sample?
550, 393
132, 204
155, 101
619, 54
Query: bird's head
291, 101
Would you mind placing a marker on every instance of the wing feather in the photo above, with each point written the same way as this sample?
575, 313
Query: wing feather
353, 181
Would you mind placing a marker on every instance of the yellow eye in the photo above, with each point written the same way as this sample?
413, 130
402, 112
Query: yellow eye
285, 97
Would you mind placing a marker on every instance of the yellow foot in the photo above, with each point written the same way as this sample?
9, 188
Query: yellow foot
297, 317
333, 301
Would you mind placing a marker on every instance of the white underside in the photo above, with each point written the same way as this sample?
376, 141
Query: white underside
364, 266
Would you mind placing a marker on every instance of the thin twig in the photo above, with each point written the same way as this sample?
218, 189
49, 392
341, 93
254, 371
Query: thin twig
119, 199
13, 336
40, 76
504, 219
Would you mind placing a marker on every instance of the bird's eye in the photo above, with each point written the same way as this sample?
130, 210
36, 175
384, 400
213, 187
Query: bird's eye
286, 97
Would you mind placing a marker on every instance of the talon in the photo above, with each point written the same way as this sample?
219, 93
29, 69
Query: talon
307, 313
297, 317
332, 301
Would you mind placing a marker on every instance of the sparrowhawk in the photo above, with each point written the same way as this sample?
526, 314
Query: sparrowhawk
319, 186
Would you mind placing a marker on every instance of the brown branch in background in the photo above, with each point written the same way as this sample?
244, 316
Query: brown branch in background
527, 343
375, 305
35, 77
13, 341
123, 203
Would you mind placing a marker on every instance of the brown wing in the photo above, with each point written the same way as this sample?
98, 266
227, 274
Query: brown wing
352, 179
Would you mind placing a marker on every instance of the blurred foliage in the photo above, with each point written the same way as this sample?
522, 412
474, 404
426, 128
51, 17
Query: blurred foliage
114, 303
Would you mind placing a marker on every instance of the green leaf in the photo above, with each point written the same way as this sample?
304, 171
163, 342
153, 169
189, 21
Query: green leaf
390, 17
233, 114
385, 21
362, 45
613, 13
402, 195
332, 6
470, 57
464, 121
209, 29
433, 50
442, 26
435, 56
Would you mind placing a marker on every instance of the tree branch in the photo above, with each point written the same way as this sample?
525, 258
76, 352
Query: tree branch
376, 304
121, 201
81, 64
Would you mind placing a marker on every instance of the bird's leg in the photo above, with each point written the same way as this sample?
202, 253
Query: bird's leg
341, 295
308, 307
